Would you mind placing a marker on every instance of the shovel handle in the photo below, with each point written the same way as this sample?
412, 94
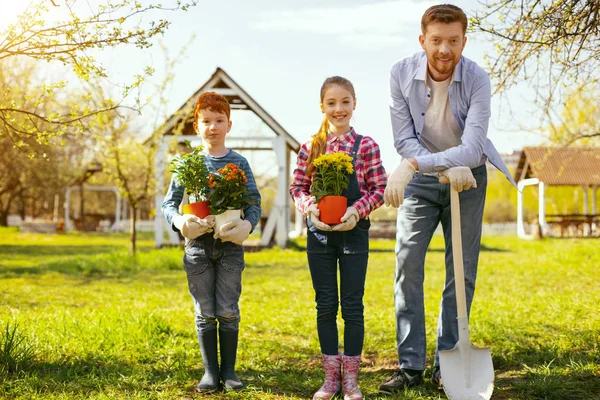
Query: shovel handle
457, 255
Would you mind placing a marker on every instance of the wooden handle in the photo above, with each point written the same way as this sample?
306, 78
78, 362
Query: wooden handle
457, 255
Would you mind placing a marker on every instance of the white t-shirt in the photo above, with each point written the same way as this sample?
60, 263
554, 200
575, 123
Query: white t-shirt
440, 131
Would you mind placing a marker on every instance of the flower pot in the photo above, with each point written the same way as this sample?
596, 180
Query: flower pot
199, 209
332, 209
222, 219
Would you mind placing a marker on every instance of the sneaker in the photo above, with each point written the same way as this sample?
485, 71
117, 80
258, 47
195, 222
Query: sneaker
436, 378
401, 379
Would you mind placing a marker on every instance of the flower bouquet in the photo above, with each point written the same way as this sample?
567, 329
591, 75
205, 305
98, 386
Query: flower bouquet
328, 183
228, 194
192, 173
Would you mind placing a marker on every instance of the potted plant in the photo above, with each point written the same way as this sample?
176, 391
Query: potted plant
228, 194
329, 182
192, 173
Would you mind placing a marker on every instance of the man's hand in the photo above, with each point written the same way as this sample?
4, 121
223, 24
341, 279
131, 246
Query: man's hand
460, 178
313, 213
397, 182
191, 226
349, 220
235, 231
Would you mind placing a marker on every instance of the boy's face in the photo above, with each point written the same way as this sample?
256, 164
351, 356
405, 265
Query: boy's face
212, 126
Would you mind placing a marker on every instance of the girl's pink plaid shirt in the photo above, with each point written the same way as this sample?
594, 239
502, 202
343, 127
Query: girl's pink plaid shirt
369, 172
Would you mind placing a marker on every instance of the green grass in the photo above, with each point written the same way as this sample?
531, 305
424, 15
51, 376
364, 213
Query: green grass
105, 325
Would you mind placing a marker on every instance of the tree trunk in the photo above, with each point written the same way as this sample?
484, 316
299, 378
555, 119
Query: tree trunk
132, 229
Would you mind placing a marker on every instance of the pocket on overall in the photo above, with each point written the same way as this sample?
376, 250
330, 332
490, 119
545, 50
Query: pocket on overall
357, 239
316, 240
195, 260
233, 257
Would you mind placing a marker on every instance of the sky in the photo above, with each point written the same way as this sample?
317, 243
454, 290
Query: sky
281, 52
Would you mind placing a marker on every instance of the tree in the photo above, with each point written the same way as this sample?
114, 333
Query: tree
551, 44
579, 120
71, 40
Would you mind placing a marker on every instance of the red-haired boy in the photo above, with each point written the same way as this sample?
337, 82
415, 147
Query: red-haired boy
214, 263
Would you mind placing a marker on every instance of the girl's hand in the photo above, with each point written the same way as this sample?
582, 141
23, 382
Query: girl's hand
349, 220
313, 213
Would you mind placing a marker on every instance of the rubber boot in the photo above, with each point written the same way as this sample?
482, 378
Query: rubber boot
229, 342
333, 377
351, 366
208, 348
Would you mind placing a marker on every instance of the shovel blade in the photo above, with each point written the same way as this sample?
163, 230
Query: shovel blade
467, 376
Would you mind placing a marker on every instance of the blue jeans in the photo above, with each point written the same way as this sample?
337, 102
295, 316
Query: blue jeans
351, 249
214, 273
426, 203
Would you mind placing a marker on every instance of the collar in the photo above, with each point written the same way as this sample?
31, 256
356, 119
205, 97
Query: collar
421, 74
344, 139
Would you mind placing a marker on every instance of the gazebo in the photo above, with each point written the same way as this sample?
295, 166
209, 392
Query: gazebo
180, 126
560, 166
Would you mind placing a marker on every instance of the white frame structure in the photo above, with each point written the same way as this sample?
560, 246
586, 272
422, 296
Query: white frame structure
67, 205
278, 223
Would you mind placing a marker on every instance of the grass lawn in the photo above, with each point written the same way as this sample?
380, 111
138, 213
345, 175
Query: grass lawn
103, 325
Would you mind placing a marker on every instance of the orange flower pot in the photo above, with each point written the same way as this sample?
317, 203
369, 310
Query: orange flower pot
332, 209
199, 209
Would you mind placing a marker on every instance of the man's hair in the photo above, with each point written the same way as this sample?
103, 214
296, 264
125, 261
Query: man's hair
213, 102
446, 13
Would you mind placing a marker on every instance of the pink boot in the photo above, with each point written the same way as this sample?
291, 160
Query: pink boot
333, 377
351, 390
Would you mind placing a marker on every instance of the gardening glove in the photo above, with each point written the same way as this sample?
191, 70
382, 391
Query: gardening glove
349, 220
191, 226
313, 213
397, 182
235, 231
460, 178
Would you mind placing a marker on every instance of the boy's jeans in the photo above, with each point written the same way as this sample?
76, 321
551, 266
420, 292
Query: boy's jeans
214, 273
426, 203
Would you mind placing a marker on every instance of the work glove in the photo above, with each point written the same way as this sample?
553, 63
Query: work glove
397, 182
235, 231
349, 220
313, 213
460, 178
192, 226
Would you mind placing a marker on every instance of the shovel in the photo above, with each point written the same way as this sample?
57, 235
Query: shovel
467, 371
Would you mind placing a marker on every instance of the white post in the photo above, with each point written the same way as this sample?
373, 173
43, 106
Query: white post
117, 225
282, 202
159, 163
68, 225
299, 225
520, 223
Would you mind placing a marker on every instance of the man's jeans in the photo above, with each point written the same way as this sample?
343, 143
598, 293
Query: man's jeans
426, 203
351, 249
214, 273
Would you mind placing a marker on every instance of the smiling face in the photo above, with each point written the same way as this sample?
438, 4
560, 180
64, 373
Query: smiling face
443, 43
213, 126
338, 105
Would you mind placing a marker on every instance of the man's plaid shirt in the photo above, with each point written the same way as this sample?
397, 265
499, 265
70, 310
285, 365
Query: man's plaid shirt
369, 172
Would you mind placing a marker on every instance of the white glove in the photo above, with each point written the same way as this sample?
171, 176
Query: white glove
313, 213
349, 220
235, 231
460, 178
397, 182
191, 226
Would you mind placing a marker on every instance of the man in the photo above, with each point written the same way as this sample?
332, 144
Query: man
440, 108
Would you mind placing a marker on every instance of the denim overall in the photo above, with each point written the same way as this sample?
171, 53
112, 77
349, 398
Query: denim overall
351, 248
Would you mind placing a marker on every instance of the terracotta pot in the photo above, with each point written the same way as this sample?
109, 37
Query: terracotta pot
199, 209
332, 209
222, 219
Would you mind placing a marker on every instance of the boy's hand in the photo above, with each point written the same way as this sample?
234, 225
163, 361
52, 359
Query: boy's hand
313, 213
349, 220
191, 226
235, 231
